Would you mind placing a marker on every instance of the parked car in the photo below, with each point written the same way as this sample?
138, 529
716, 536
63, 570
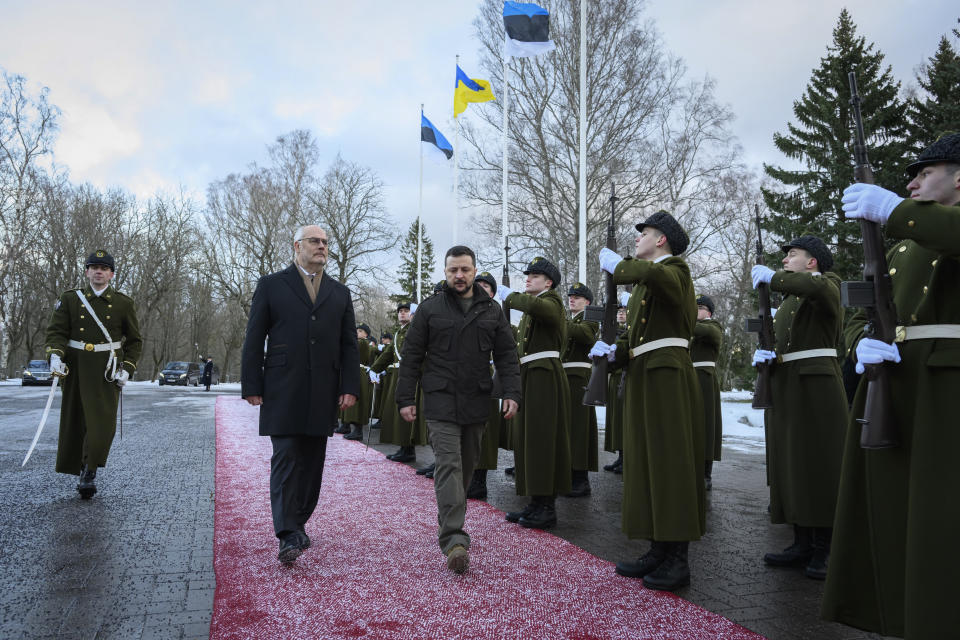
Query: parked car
36, 372
182, 373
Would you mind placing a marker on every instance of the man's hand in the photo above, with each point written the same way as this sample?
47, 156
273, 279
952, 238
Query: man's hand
609, 260
870, 351
870, 202
601, 349
254, 400
761, 274
510, 409
374, 376
503, 291
409, 413
56, 365
346, 401
763, 355
122, 378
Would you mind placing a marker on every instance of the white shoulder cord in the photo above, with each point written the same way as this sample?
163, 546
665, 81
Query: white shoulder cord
110, 373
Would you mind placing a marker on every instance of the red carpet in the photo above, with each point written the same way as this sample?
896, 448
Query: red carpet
375, 571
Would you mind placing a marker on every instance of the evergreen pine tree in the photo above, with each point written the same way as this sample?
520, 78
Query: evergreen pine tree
408, 270
936, 109
822, 141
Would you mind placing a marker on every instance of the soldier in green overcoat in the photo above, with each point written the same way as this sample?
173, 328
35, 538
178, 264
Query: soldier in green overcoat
896, 562
576, 364
805, 427
359, 414
541, 430
392, 427
613, 421
386, 339
704, 351
94, 334
663, 494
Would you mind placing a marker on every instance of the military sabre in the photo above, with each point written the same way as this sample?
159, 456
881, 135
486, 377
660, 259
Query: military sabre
46, 412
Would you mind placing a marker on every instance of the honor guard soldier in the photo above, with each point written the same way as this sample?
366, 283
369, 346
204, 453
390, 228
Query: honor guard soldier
576, 364
896, 562
359, 414
704, 351
387, 363
663, 494
93, 336
805, 427
541, 427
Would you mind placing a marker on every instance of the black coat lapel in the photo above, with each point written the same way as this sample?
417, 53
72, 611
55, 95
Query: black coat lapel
291, 275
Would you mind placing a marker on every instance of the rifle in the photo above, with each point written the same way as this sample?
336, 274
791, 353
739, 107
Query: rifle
762, 325
497, 390
595, 394
875, 295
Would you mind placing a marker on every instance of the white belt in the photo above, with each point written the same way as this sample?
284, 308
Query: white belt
659, 344
393, 366
89, 346
539, 355
704, 363
809, 353
928, 331
577, 365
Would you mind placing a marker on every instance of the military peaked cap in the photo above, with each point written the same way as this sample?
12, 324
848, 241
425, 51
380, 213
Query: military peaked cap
489, 279
705, 301
403, 305
815, 247
668, 226
363, 326
945, 149
100, 257
544, 266
385, 335
581, 290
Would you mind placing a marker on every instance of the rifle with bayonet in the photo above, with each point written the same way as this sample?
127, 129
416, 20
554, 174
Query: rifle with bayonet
762, 325
595, 394
497, 391
875, 295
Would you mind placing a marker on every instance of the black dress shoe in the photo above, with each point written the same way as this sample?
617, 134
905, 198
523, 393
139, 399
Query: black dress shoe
673, 573
514, 516
543, 517
391, 456
356, 433
797, 554
290, 548
422, 471
87, 486
646, 563
406, 454
817, 569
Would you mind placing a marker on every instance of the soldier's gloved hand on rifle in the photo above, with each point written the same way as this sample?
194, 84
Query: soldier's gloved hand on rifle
609, 260
374, 376
870, 351
761, 274
624, 298
380, 346
601, 349
122, 378
763, 355
870, 202
503, 291
57, 366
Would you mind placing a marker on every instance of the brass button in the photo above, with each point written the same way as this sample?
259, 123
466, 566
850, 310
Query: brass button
893, 270
902, 248
925, 288
642, 302
81, 328
643, 320
913, 317
108, 317
934, 263
81, 317
109, 306
911, 223
641, 339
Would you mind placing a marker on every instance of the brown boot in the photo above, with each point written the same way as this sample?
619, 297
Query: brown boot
458, 560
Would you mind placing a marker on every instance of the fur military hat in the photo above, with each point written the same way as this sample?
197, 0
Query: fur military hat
581, 290
403, 305
705, 301
100, 257
364, 327
489, 279
668, 226
945, 149
544, 266
815, 247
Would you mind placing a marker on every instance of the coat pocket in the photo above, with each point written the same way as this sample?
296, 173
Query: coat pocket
441, 334
486, 334
432, 383
661, 361
944, 358
275, 360
817, 367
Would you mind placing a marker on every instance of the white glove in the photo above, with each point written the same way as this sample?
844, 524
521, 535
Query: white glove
601, 349
870, 202
761, 274
380, 347
56, 365
413, 308
122, 378
374, 376
773, 312
870, 351
503, 291
609, 260
624, 298
763, 355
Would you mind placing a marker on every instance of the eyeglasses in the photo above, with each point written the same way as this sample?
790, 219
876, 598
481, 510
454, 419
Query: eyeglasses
315, 242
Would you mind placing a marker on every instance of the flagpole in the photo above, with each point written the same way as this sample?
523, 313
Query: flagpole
582, 255
456, 166
419, 216
506, 111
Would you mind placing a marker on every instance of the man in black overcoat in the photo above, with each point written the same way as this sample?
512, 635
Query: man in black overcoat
208, 373
299, 365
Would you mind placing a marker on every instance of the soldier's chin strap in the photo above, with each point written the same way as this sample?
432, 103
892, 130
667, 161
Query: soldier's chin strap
110, 373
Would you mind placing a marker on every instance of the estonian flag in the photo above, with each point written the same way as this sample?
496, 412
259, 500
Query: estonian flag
429, 133
469, 90
528, 29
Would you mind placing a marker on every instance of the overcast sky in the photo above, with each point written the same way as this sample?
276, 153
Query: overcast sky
159, 95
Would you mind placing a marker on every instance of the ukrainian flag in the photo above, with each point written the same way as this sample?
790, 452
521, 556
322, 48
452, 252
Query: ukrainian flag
469, 90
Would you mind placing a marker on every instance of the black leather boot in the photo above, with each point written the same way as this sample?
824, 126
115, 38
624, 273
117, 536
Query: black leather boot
393, 456
342, 428
422, 471
88, 482
478, 485
673, 573
544, 517
579, 485
616, 463
817, 568
406, 454
646, 563
514, 516
708, 475
356, 432
797, 554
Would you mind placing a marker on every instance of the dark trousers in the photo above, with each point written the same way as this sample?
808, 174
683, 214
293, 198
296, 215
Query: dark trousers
296, 472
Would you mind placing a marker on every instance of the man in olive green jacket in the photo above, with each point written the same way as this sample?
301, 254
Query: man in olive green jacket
663, 494
704, 351
98, 366
896, 561
541, 427
583, 419
805, 427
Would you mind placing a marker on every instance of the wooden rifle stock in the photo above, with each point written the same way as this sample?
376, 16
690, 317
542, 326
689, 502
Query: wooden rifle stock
875, 294
595, 394
762, 325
